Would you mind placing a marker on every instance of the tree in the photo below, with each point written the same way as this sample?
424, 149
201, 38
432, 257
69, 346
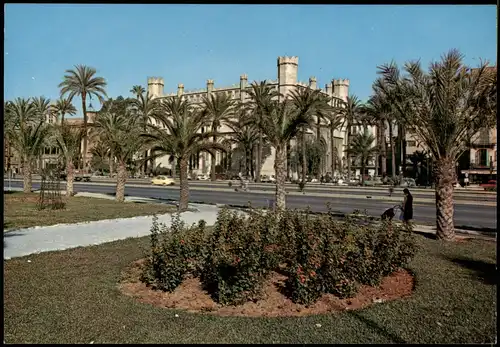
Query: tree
314, 153
145, 107
82, 82
280, 124
362, 148
179, 134
121, 134
28, 135
138, 90
42, 107
244, 133
100, 157
63, 107
335, 121
261, 95
68, 139
218, 109
445, 105
351, 111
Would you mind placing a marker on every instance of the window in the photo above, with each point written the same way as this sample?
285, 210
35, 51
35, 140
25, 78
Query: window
411, 143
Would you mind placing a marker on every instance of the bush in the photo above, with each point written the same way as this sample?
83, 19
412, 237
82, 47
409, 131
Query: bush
318, 253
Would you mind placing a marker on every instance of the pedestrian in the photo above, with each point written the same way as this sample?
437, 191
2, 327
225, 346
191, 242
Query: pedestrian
407, 208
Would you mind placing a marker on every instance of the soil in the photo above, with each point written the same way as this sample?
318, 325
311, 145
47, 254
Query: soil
191, 297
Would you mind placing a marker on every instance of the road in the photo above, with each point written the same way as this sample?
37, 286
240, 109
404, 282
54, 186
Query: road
466, 215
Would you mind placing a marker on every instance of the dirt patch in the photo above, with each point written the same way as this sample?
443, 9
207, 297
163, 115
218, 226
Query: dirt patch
191, 297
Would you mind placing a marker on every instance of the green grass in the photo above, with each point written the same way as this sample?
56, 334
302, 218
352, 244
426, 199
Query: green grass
20, 211
72, 297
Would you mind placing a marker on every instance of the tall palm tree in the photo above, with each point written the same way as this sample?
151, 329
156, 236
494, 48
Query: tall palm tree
121, 134
444, 105
261, 95
218, 109
244, 133
362, 148
351, 111
82, 81
137, 90
280, 124
42, 107
101, 155
145, 107
68, 139
335, 122
180, 135
311, 104
63, 107
28, 135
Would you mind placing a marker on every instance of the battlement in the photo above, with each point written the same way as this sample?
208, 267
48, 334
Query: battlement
341, 82
312, 79
210, 81
272, 81
302, 84
288, 60
180, 86
155, 80
244, 77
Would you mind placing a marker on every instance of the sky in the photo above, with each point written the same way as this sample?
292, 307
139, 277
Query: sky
189, 44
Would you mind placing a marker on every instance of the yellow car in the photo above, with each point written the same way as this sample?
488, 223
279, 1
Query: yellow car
162, 181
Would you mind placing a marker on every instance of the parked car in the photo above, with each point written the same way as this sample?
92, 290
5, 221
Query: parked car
162, 181
268, 179
491, 185
202, 177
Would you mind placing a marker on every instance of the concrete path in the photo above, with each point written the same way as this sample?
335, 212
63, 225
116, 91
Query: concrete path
21, 242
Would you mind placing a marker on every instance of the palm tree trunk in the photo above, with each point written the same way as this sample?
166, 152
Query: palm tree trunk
121, 179
70, 177
393, 152
363, 168
304, 163
111, 163
174, 166
334, 154
27, 182
444, 173
85, 137
212, 164
348, 156
383, 148
318, 138
280, 172
252, 168
259, 157
184, 187
248, 158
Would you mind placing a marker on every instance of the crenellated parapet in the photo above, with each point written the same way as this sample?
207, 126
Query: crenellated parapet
155, 80
341, 82
288, 60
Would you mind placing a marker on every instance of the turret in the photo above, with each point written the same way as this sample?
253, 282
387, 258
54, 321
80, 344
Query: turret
287, 74
155, 86
312, 83
341, 88
243, 86
210, 86
180, 89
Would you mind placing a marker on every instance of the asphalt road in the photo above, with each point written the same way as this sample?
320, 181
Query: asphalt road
475, 216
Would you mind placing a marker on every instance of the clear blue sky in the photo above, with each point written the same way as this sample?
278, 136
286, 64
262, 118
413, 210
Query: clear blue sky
192, 43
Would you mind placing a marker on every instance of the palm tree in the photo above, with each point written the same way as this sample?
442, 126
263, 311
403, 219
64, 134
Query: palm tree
138, 90
311, 104
362, 148
180, 135
83, 82
218, 109
261, 95
445, 106
245, 134
28, 135
101, 156
280, 124
351, 111
121, 134
145, 107
69, 140
63, 107
335, 122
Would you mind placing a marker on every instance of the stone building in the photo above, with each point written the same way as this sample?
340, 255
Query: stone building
287, 71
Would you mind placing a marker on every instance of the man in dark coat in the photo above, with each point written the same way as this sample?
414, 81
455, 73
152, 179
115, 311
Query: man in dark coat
407, 206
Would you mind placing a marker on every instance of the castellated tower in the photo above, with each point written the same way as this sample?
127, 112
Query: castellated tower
287, 74
341, 88
155, 86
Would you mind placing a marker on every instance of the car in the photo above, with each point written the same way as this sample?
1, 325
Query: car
202, 177
162, 181
492, 184
268, 179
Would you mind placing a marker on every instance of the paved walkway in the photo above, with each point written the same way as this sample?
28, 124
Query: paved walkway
22, 242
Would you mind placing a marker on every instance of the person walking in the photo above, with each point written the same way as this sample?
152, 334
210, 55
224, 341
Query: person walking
407, 208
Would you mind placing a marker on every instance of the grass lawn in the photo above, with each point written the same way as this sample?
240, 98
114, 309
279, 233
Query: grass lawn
20, 210
72, 297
